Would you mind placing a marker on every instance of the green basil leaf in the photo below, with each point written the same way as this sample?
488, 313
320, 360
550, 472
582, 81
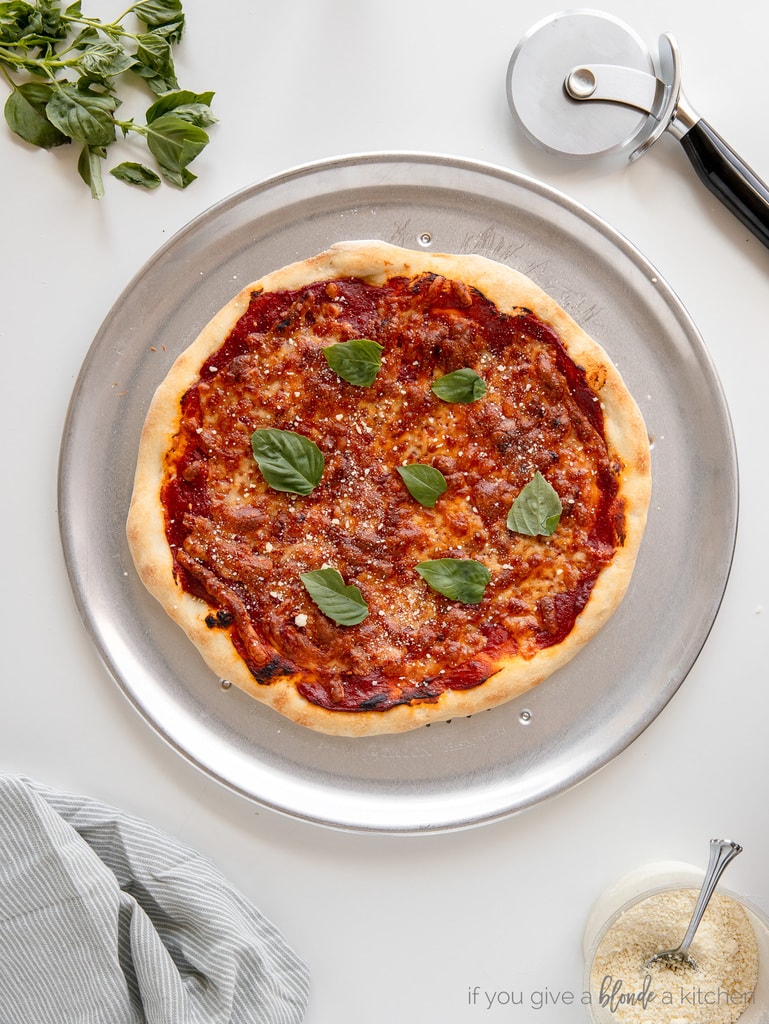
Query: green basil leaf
164, 16
154, 62
82, 115
16, 19
460, 579
537, 509
51, 22
288, 461
190, 106
342, 603
355, 361
175, 143
462, 386
26, 116
89, 169
136, 174
425, 483
106, 60
157, 12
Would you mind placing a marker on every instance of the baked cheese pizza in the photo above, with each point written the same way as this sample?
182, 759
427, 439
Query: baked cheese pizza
385, 488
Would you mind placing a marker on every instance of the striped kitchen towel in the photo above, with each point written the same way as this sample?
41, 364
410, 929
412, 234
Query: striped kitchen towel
106, 920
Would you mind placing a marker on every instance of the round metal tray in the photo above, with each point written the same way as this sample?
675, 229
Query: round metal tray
468, 771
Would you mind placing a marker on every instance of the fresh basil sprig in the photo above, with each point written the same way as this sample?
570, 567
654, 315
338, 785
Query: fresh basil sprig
355, 361
462, 386
537, 509
425, 483
288, 461
460, 579
75, 63
341, 602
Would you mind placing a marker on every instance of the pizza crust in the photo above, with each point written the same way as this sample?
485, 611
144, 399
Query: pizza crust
375, 262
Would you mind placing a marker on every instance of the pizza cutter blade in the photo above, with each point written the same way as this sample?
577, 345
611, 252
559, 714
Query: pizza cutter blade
581, 83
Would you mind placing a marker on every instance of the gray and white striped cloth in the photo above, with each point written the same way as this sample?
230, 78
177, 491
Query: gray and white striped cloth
106, 920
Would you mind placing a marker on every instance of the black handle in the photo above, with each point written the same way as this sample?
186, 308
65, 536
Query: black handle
728, 178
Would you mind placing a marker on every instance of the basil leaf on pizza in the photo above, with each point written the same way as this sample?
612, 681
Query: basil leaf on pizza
339, 601
537, 509
461, 386
288, 461
355, 361
425, 483
460, 579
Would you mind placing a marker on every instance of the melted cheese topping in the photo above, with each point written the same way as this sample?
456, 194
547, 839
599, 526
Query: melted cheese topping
241, 546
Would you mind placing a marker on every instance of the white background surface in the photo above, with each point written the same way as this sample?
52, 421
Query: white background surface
397, 928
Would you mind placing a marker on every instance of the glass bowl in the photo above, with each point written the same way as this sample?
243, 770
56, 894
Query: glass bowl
680, 996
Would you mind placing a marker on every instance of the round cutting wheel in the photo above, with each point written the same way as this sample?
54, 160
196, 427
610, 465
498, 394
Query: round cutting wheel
538, 70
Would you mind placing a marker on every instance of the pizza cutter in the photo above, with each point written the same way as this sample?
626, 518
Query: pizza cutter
581, 83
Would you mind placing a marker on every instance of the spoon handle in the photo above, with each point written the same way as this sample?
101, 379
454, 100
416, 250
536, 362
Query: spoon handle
722, 851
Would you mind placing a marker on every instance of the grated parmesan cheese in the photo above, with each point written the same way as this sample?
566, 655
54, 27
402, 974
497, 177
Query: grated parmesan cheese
624, 989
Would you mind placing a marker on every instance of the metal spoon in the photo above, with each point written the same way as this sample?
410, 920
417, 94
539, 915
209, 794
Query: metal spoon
722, 851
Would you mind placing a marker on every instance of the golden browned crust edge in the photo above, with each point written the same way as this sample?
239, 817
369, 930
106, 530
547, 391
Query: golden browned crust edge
376, 261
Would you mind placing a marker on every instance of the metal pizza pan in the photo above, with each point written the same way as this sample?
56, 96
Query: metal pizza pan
465, 772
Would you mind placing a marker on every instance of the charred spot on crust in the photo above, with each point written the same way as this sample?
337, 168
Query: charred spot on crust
220, 619
424, 691
274, 667
373, 702
411, 699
